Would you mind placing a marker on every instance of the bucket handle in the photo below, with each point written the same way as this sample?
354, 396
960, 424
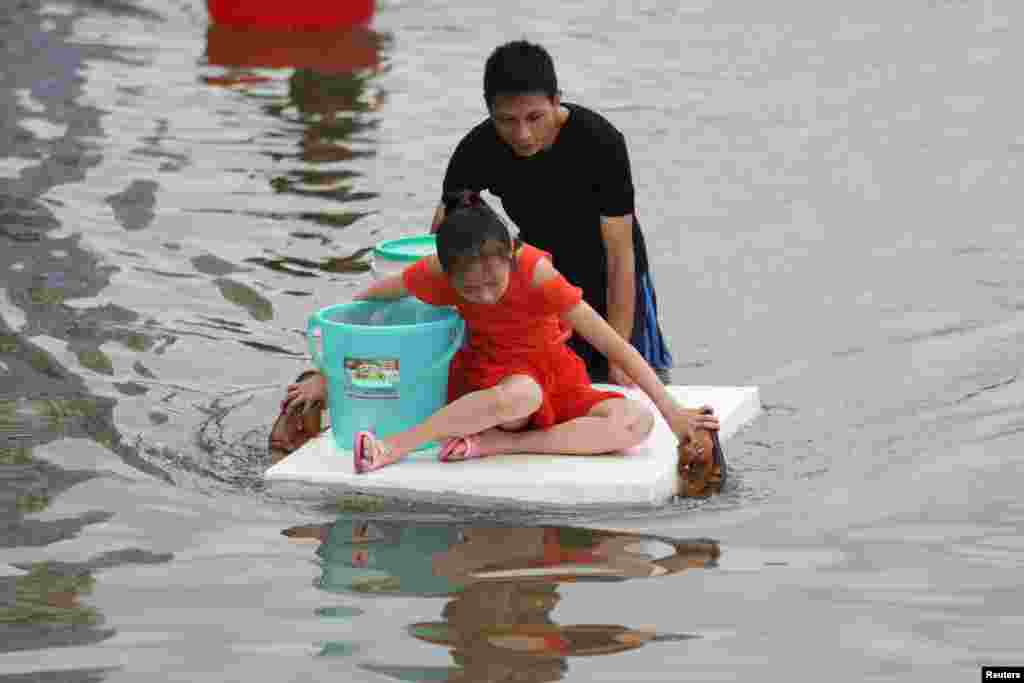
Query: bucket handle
314, 344
318, 359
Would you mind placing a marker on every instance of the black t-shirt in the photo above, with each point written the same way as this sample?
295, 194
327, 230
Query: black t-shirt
557, 196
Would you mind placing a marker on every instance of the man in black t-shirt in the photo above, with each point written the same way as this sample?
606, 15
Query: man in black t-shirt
562, 173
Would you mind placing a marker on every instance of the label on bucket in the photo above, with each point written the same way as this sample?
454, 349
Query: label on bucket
371, 377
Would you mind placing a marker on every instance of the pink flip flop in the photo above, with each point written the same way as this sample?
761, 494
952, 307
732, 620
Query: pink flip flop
361, 461
470, 444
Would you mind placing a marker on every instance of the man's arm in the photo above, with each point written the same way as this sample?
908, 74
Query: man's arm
617, 232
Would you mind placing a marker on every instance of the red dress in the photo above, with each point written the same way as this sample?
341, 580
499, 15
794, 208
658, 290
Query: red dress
521, 334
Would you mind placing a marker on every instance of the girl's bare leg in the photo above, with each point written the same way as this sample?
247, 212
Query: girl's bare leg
511, 401
612, 425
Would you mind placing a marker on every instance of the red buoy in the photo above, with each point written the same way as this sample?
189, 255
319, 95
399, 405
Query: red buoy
309, 15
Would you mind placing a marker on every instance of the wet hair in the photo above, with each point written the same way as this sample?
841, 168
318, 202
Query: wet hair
471, 229
519, 68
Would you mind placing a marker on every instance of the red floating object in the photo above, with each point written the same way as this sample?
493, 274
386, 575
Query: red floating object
291, 14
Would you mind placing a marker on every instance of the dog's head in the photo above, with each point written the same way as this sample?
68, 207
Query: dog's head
700, 472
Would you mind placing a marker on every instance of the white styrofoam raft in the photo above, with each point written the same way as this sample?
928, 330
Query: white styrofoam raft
645, 474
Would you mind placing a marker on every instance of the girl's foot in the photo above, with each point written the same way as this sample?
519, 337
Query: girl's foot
459, 448
370, 453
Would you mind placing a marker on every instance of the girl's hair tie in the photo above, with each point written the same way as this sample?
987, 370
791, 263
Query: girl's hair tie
463, 199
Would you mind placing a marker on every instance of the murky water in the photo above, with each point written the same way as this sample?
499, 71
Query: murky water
831, 188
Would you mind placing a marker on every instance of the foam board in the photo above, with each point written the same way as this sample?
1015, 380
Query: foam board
645, 474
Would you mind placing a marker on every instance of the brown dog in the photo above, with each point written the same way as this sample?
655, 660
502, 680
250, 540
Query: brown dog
701, 464
293, 428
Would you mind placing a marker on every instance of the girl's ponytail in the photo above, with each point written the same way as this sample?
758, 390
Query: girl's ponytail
462, 199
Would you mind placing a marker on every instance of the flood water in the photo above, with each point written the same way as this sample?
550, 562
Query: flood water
830, 192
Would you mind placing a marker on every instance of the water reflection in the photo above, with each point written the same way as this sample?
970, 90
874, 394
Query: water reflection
30, 485
353, 263
333, 109
242, 50
46, 403
46, 609
43, 607
329, 95
41, 602
502, 586
45, 271
134, 206
327, 107
40, 400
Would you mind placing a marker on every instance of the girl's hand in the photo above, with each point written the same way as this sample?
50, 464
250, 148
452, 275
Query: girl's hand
306, 395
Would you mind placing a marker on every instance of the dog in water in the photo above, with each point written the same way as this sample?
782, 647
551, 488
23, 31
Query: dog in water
700, 466
296, 424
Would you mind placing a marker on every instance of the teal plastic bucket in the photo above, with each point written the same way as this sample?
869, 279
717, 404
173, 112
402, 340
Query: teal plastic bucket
398, 560
386, 363
392, 256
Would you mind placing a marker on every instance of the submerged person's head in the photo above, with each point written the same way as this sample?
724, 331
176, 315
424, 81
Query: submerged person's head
521, 91
475, 248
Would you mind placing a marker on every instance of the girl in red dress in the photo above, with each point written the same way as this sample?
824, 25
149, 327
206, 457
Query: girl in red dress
516, 387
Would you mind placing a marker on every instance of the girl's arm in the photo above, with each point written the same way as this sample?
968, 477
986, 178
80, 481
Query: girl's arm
391, 287
605, 339
592, 327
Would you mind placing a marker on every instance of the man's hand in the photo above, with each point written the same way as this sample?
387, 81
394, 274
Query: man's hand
617, 375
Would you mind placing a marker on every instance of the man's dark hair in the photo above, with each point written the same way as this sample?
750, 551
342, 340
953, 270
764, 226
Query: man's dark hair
519, 68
